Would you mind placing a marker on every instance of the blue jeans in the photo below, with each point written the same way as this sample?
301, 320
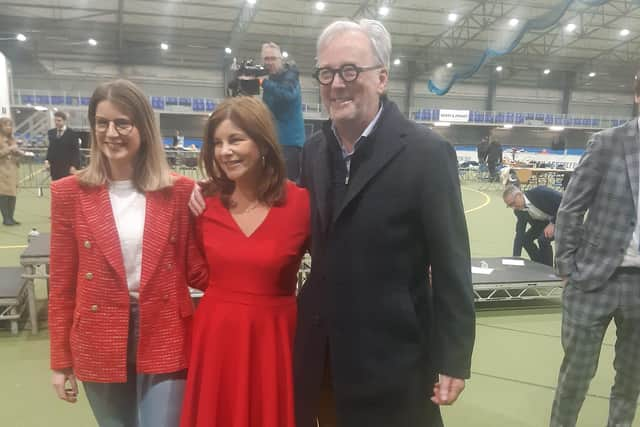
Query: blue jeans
145, 400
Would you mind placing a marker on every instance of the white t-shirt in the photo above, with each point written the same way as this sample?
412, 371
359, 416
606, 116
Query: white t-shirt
129, 207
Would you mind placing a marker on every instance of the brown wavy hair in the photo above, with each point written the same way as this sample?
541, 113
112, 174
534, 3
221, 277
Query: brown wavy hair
254, 118
151, 172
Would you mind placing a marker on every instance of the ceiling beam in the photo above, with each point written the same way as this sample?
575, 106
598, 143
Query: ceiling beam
242, 22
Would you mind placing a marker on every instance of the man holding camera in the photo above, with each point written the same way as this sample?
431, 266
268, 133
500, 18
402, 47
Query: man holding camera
281, 92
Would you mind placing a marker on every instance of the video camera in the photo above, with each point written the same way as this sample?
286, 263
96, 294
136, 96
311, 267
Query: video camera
246, 81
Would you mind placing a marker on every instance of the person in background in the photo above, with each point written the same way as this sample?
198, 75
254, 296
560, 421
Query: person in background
281, 93
255, 228
483, 151
494, 159
537, 208
123, 255
9, 159
63, 153
178, 140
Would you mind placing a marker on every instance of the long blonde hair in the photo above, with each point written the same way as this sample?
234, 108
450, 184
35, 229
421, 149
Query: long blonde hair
151, 172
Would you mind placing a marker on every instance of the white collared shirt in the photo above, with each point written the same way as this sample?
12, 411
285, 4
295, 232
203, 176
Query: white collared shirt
346, 155
534, 212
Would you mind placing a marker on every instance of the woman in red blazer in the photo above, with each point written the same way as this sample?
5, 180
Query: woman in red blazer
122, 257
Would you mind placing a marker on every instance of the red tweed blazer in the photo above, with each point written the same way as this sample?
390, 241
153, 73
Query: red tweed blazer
89, 299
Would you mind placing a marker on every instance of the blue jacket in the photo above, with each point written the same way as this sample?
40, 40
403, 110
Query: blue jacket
281, 93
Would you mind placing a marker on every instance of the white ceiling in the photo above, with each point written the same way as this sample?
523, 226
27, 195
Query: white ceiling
129, 32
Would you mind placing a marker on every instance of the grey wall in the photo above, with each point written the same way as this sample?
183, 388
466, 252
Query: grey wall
519, 137
82, 78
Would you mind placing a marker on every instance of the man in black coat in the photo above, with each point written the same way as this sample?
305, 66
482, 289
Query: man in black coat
63, 153
494, 159
376, 344
537, 207
483, 151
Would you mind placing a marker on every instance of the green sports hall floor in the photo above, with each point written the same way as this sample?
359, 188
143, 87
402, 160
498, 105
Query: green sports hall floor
515, 361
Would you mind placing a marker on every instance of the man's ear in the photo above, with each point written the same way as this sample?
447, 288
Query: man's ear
383, 77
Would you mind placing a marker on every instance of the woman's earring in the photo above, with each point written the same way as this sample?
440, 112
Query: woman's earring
264, 162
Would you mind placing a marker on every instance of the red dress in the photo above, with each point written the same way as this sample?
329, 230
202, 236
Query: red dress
240, 371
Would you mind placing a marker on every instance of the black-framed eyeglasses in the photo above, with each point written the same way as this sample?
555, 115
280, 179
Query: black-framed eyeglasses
348, 73
122, 126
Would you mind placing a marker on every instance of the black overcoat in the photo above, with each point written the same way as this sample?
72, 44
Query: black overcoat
368, 298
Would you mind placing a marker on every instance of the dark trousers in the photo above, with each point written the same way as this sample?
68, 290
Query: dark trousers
7, 208
292, 159
541, 252
327, 402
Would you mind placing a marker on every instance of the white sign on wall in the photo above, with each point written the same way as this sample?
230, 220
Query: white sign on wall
454, 115
5, 109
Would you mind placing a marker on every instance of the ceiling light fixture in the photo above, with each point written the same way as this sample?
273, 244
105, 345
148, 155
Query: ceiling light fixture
21, 37
320, 5
570, 28
227, 50
499, 68
383, 11
93, 42
285, 54
164, 46
624, 32
453, 17
546, 71
449, 64
513, 22
592, 74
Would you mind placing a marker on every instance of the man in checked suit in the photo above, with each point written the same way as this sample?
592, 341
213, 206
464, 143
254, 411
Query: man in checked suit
63, 154
599, 259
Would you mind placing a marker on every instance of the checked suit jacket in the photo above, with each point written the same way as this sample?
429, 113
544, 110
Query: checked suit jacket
604, 186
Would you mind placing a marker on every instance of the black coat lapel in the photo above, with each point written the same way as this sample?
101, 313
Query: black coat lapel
386, 141
319, 163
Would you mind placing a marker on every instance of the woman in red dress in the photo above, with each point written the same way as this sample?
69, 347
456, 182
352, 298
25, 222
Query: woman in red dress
254, 231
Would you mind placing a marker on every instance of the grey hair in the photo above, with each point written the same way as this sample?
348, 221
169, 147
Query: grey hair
272, 45
511, 190
374, 30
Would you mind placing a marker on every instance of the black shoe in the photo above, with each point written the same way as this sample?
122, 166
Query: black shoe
15, 222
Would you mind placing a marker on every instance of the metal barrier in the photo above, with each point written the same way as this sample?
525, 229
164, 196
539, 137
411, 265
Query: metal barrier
33, 174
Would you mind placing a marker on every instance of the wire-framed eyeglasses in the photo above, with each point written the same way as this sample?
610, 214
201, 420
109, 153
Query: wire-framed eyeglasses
122, 126
348, 73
